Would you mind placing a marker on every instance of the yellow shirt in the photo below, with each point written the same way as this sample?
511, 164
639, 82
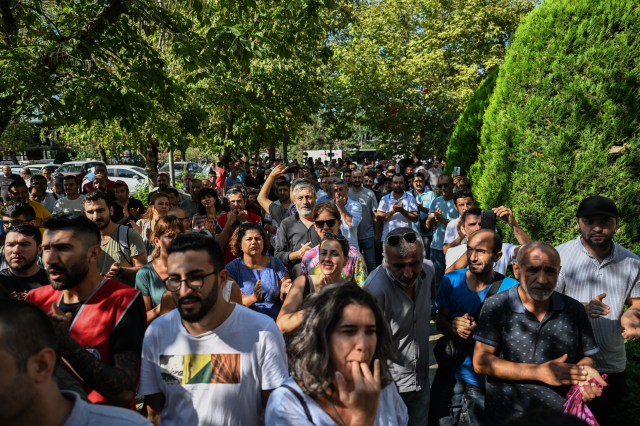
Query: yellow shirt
41, 212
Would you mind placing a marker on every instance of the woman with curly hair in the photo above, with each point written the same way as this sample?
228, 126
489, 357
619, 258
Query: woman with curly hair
259, 275
340, 365
158, 208
209, 208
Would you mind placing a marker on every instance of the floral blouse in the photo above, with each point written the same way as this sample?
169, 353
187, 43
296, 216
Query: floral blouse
354, 269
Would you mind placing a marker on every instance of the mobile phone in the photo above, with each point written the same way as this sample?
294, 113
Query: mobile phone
488, 220
456, 171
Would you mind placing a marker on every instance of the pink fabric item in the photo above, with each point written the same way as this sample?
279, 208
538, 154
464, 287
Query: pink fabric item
575, 406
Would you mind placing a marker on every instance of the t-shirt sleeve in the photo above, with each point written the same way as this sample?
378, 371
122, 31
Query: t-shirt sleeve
507, 252
383, 207
373, 204
489, 329
443, 297
142, 282
274, 368
135, 242
412, 204
149, 378
129, 333
232, 268
588, 345
137, 204
277, 212
284, 408
280, 268
452, 232
434, 206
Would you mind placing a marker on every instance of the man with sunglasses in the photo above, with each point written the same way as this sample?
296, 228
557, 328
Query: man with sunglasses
402, 286
441, 212
99, 323
397, 209
208, 362
182, 216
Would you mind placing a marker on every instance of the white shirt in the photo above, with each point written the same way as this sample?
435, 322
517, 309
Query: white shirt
65, 205
49, 201
452, 231
284, 408
397, 220
455, 253
351, 232
214, 378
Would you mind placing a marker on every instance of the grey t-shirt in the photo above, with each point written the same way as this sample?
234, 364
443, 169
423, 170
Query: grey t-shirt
85, 414
111, 252
433, 176
367, 200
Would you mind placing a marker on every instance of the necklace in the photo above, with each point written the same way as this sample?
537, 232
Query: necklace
336, 411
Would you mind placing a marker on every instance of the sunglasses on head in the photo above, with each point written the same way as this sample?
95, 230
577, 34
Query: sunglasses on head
331, 236
443, 185
409, 237
320, 223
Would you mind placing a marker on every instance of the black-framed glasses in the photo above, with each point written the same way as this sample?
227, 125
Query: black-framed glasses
320, 223
10, 223
195, 282
443, 185
410, 237
179, 218
331, 236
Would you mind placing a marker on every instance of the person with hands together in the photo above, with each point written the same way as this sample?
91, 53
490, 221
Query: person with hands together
209, 208
228, 222
397, 209
604, 277
340, 364
350, 211
258, 275
529, 364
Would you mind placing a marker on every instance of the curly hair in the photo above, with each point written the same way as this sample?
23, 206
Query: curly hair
308, 353
235, 243
212, 193
148, 215
163, 226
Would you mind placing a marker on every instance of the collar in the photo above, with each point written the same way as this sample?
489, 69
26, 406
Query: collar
391, 197
610, 258
516, 305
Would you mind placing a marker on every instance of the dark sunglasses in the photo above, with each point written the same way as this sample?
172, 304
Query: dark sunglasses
331, 236
179, 218
409, 237
443, 185
320, 223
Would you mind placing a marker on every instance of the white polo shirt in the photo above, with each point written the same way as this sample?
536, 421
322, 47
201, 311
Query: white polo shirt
397, 220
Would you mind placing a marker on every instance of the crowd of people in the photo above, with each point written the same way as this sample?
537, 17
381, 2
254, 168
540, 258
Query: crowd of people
303, 294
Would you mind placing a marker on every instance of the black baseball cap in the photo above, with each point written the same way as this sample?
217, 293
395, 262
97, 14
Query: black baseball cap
597, 205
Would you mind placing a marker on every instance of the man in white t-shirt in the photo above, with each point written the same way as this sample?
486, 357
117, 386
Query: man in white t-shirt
398, 209
74, 201
470, 222
208, 362
462, 200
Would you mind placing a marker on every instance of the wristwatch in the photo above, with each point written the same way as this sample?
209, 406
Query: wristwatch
119, 274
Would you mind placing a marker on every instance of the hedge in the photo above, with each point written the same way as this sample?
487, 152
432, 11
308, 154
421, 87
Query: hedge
568, 91
463, 146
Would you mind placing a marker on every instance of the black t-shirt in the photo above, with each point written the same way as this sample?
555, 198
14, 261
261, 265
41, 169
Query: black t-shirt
4, 185
128, 334
18, 287
118, 210
252, 182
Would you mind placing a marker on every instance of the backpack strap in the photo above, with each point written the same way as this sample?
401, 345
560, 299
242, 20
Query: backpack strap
495, 287
305, 407
272, 259
123, 242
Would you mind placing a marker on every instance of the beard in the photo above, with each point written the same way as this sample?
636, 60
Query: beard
23, 264
539, 292
605, 242
403, 281
283, 198
205, 305
71, 277
103, 223
306, 209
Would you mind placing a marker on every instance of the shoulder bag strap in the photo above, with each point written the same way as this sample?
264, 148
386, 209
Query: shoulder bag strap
123, 241
305, 407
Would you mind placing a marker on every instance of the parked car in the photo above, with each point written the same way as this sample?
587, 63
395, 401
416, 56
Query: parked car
180, 167
77, 168
131, 175
36, 169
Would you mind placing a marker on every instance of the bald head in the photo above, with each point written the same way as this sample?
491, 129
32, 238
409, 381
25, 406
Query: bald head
537, 268
488, 235
534, 249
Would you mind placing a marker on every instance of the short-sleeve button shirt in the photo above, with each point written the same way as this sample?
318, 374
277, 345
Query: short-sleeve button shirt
397, 220
506, 324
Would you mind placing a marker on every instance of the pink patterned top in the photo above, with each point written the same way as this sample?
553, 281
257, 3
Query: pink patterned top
354, 269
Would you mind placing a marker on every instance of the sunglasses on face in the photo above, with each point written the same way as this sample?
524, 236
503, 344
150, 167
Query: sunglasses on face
409, 237
320, 223
443, 185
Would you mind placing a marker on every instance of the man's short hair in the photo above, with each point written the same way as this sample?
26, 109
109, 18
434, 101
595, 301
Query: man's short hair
198, 242
97, 195
462, 193
81, 227
443, 176
371, 174
27, 230
120, 184
530, 246
26, 330
302, 183
38, 177
472, 211
403, 248
497, 239
284, 183
17, 184
165, 174
72, 177
235, 190
26, 171
37, 188
234, 168
15, 210
338, 182
172, 191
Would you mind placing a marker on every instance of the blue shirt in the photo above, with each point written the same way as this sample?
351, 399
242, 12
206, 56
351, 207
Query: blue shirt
448, 210
425, 200
246, 278
242, 175
454, 294
230, 182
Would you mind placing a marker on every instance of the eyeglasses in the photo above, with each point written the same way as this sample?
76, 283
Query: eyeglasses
409, 237
173, 284
443, 185
331, 236
9, 223
320, 223
179, 218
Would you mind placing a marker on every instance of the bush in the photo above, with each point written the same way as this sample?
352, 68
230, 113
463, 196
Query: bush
567, 92
463, 146
629, 412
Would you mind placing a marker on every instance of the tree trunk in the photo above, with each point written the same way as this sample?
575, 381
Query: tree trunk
285, 143
151, 158
5, 119
224, 157
14, 157
256, 156
272, 153
183, 154
103, 155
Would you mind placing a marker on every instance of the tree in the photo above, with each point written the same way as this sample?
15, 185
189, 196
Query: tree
19, 136
463, 146
566, 95
408, 67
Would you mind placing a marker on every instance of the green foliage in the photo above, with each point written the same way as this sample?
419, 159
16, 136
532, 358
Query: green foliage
141, 193
629, 411
463, 146
568, 91
19, 136
62, 156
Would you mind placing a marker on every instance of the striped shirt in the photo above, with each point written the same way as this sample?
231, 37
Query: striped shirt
583, 278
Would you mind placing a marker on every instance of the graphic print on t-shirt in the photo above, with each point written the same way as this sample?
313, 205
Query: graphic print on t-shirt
200, 368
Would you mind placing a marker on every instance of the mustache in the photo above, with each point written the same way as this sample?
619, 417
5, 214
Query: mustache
194, 298
537, 286
58, 268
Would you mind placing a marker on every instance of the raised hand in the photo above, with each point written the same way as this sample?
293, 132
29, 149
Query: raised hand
305, 248
505, 215
460, 230
136, 227
341, 201
113, 271
232, 216
557, 372
134, 212
438, 215
464, 326
257, 290
60, 322
596, 308
242, 216
397, 207
278, 171
362, 401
